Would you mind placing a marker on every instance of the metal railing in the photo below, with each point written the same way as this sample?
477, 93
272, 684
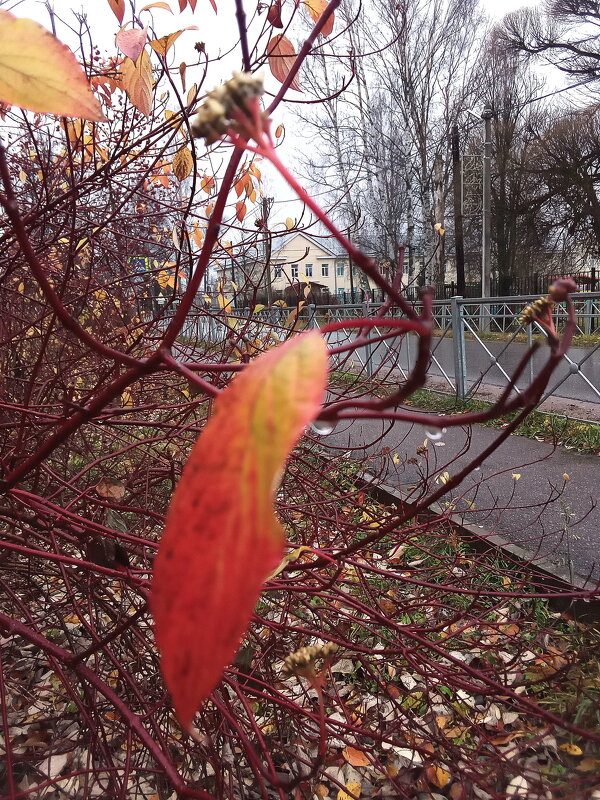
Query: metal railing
477, 344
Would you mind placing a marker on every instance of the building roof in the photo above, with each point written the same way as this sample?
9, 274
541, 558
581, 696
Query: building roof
329, 244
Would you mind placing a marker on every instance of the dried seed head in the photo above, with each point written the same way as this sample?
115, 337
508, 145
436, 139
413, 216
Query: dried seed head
303, 661
536, 310
218, 112
561, 288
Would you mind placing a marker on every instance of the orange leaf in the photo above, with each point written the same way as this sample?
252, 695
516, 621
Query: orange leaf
132, 41
39, 73
137, 82
355, 757
164, 44
315, 9
118, 9
588, 764
222, 538
240, 210
183, 163
207, 183
281, 59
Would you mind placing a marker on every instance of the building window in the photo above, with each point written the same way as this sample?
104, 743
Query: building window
308, 270
294, 270
278, 271
325, 270
340, 268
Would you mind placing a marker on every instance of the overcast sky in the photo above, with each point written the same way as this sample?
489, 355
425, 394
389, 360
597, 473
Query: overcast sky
219, 33
497, 8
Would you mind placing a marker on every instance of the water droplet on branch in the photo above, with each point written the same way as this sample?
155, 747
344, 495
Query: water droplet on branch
435, 434
322, 426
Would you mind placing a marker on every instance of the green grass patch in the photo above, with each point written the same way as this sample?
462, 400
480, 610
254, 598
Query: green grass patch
584, 437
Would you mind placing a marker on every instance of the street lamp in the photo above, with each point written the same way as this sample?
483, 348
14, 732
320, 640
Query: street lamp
486, 239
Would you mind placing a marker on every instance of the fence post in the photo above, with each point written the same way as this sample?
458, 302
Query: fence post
458, 347
587, 318
368, 350
312, 316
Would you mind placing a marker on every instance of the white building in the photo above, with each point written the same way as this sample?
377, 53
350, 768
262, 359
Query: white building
303, 257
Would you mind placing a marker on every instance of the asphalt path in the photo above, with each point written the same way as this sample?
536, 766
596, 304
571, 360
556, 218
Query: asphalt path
491, 368
548, 514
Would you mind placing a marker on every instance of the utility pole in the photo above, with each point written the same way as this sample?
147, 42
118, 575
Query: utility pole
486, 244
266, 206
459, 241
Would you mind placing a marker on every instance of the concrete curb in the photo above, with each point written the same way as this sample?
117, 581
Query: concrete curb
552, 578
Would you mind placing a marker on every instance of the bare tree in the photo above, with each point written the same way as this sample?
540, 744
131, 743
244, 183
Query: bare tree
566, 34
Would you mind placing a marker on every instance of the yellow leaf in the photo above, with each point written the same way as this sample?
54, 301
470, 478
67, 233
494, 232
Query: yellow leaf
157, 5
516, 476
137, 82
438, 776
183, 163
286, 560
351, 792
289, 223
22, 176
315, 9
355, 757
21, 288
258, 307
40, 73
164, 280
566, 476
127, 399
571, 749
278, 131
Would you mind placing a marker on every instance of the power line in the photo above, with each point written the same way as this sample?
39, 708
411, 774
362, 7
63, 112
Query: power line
559, 91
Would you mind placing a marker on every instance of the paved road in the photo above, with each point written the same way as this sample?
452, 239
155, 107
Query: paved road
583, 384
548, 516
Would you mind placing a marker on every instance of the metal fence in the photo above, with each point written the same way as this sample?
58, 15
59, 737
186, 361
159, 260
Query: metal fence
477, 345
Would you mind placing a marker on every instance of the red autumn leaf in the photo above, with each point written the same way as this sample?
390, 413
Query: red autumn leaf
222, 538
118, 9
132, 41
281, 59
315, 9
274, 14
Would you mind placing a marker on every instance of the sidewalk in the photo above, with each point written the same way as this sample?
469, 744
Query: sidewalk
542, 512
